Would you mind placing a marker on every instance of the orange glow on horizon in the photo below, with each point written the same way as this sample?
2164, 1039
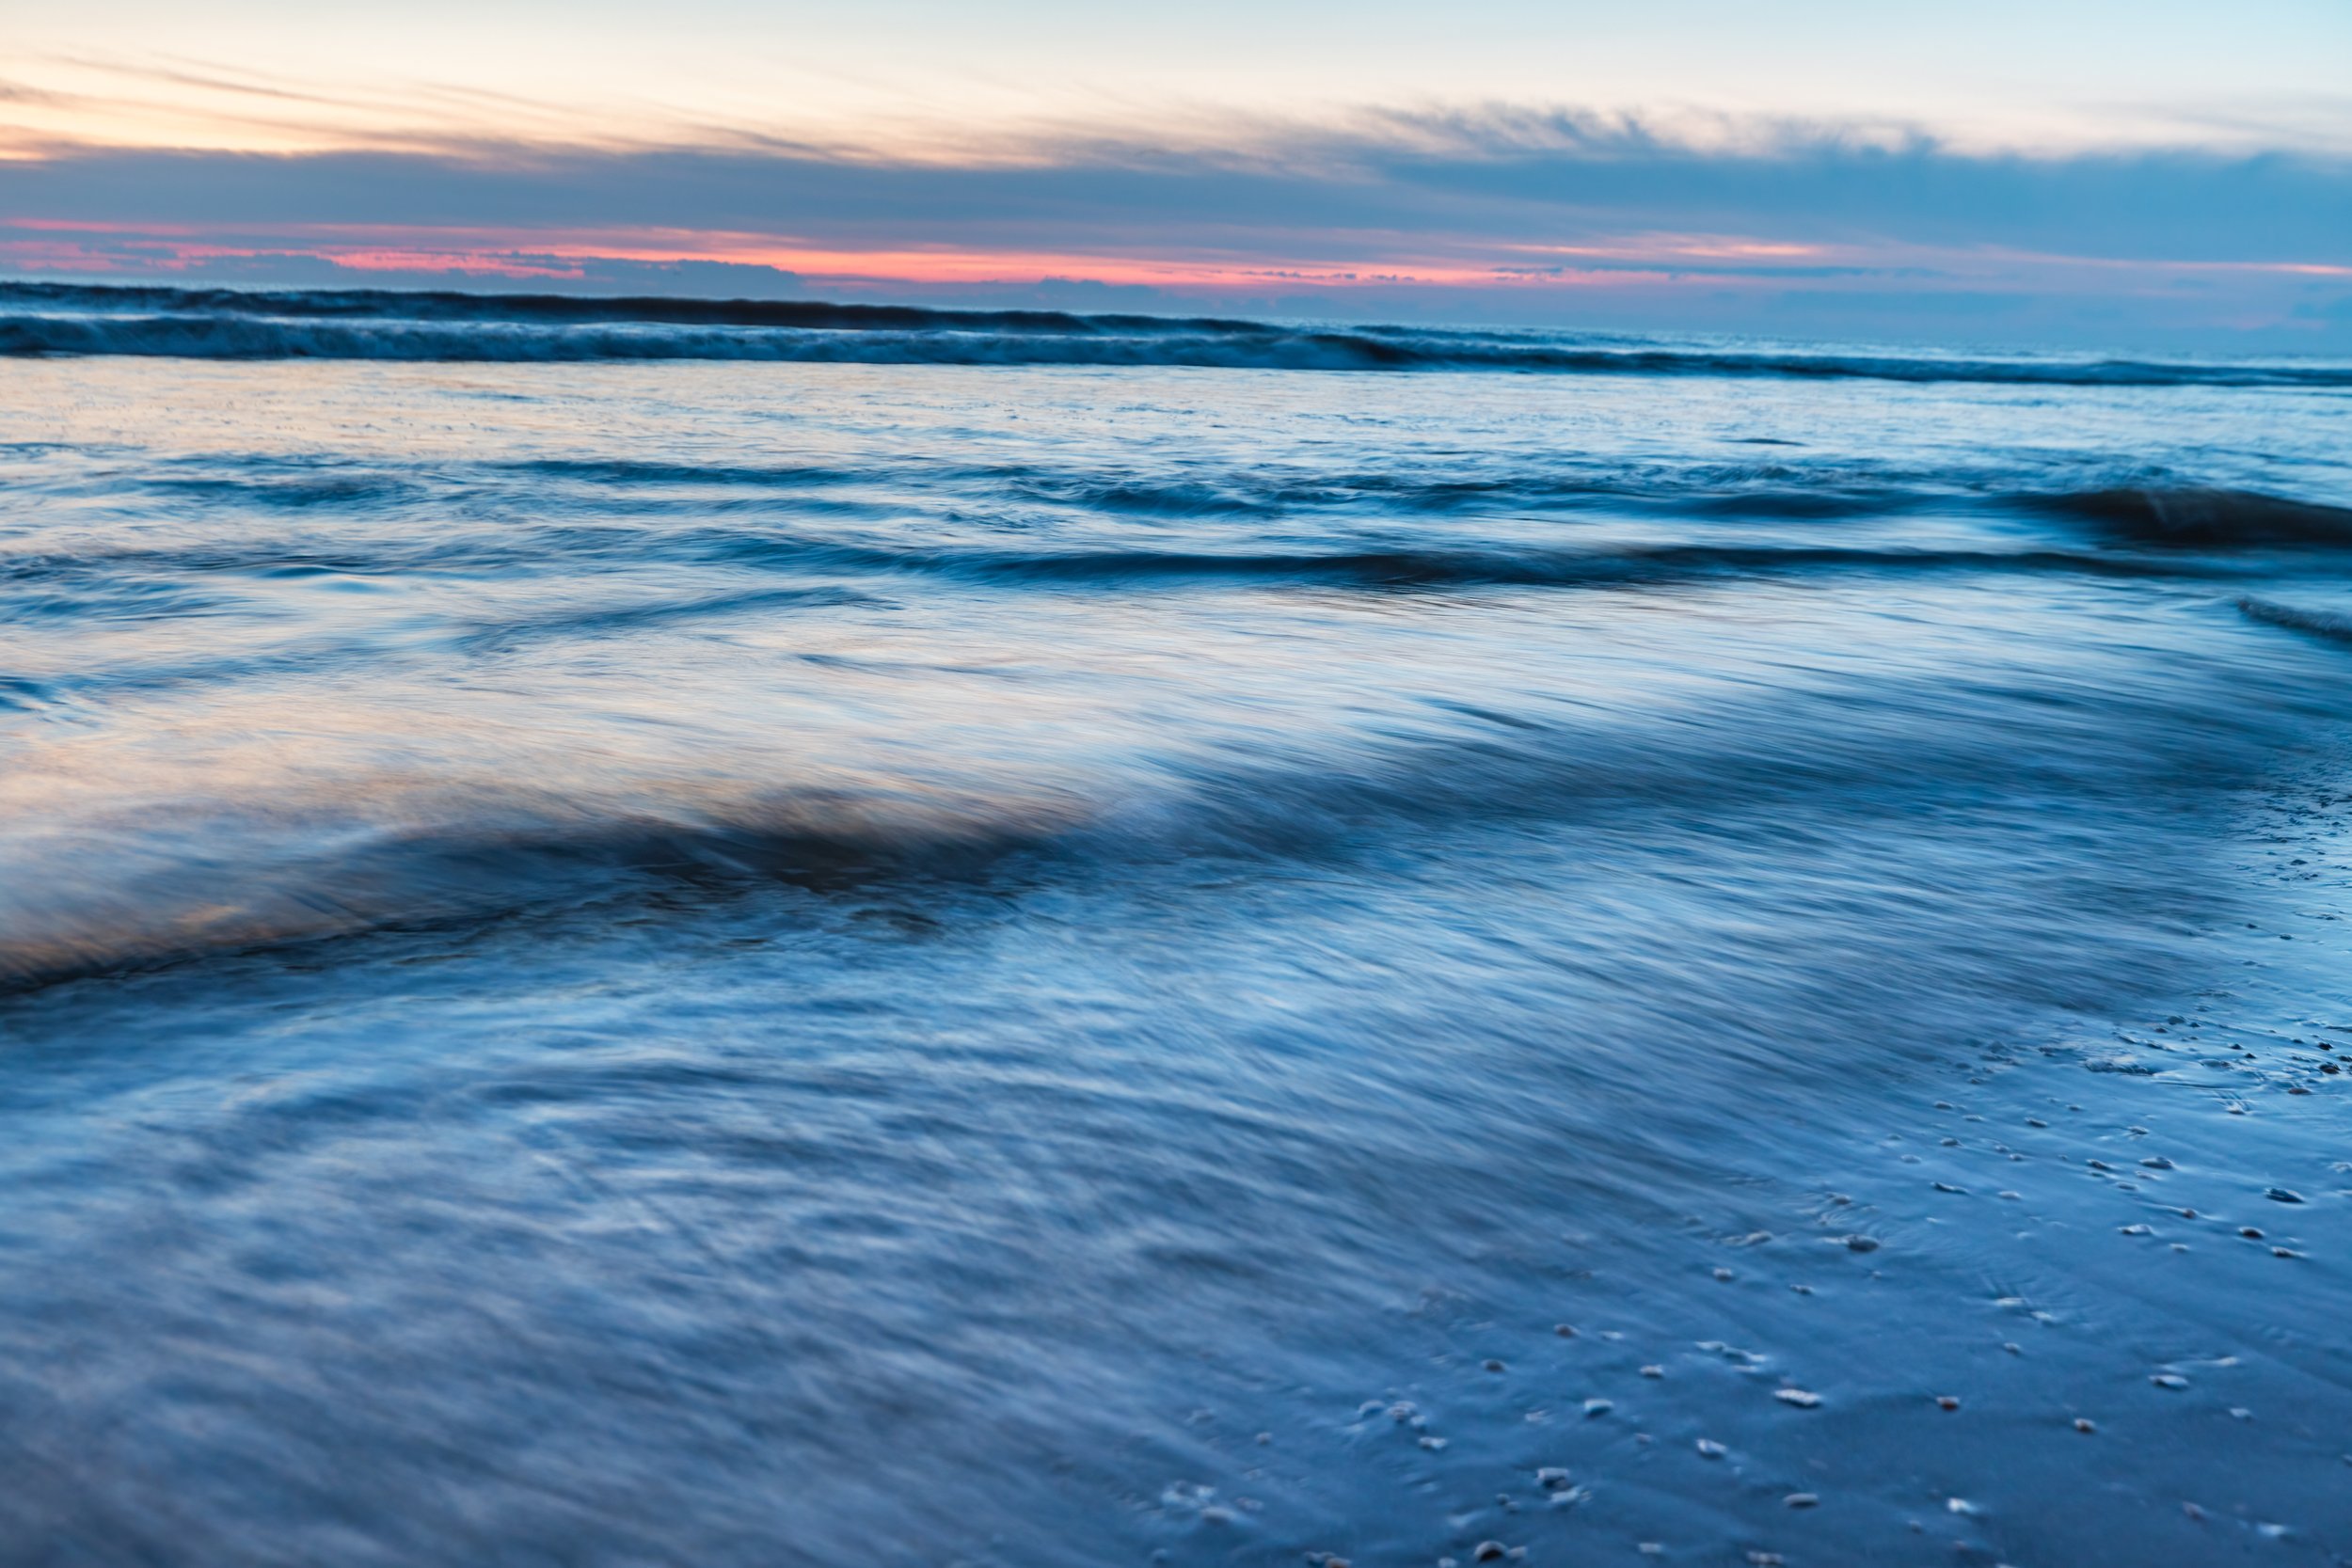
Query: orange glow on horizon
460, 252
1649, 260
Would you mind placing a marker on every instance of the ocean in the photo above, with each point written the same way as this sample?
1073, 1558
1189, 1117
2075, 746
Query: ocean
659, 931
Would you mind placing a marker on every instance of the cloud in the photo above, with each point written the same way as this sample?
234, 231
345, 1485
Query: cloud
1500, 202
1459, 181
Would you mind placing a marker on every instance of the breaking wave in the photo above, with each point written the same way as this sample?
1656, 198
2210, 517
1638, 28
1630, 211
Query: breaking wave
2206, 518
305, 871
2311, 623
347, 854
58, 319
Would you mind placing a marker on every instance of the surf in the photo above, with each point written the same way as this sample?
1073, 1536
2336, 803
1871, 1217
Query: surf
90, 321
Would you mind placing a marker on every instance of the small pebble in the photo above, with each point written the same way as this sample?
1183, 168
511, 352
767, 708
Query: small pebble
2279, 1195
1861, 1244
1801, 1500
2036, 1121
1435, 1444
1551, 1477
1766, 1559
1493, 1366
1802, 1398
2011, 1346
1653, 1372
1564, 1331
2157, 1161
2239, 1412
2138, 1231
2169, 1380
2012, 1196
2284, 1252
1947, 1187
1489, 1551
1709, 1449
2250, 1232
1723, 1274
1945, 1401
2084, 1423
1598, 1407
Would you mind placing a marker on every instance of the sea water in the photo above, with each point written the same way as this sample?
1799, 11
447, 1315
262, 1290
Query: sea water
658, 932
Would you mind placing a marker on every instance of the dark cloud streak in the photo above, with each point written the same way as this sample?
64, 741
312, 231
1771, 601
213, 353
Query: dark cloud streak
1495, 216
1328, 198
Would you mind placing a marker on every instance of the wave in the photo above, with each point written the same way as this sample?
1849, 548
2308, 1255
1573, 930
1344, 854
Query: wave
427, 304
148, 579
268, 881
2145, 512
1439, 569
56, 319
645, 508
190, 874
187, 877
2204, 518
2311, 623
626, 471
2146, 532
82, 587
343, 493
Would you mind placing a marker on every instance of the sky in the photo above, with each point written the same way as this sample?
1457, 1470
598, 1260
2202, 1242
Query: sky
2068, 171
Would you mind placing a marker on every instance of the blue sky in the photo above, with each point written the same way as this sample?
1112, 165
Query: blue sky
2088, 171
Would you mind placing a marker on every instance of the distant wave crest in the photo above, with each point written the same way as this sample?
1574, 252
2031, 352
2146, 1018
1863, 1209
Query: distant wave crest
216, 323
